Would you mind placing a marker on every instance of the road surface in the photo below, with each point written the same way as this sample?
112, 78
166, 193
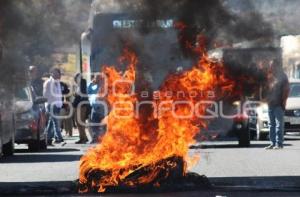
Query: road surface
226, 165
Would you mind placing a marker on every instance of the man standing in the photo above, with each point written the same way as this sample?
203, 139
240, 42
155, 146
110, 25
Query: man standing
53, 92
80, 104
278, 90
36, 81
66, 122
98, 110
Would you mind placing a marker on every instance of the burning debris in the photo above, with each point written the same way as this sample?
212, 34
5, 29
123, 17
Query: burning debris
150, 149
168, 172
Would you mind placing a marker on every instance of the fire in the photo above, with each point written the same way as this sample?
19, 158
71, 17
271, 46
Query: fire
164, 130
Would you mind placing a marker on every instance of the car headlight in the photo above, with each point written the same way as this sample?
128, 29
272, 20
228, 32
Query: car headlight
297, 113
239, 126
26, 116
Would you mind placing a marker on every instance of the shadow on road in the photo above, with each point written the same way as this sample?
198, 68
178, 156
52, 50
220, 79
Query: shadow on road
38, 188
40, 158
263, 182
224, 146
275, 186
49, 150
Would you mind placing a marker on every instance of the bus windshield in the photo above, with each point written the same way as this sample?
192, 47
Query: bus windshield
154, 42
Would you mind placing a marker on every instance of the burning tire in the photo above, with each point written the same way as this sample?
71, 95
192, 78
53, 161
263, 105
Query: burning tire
168, 175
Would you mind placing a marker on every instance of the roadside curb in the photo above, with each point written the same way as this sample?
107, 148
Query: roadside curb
218, 185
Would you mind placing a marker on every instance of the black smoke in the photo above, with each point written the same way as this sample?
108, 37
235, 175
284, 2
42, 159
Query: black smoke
213, 19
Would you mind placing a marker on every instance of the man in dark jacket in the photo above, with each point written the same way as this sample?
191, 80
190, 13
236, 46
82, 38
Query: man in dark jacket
278, 91
80, 105
67, 122
36, 81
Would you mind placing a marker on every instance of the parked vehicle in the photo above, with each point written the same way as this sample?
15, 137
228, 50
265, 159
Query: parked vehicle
259, 117
235, 124
7, 123
259, 121
30, 119
292, 113
240, 126
245, 61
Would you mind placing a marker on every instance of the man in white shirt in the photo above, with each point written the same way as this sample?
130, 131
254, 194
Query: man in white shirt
52, 91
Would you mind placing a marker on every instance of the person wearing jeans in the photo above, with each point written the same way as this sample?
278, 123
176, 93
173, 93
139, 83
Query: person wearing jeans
276, 115
53, 92
278, 91
53, 126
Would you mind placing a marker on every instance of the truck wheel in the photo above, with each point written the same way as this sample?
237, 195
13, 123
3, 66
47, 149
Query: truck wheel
8, 148
244, 138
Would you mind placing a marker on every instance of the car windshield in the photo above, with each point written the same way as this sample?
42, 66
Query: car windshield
23, 94
295, 90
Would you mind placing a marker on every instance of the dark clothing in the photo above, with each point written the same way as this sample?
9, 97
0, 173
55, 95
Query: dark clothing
276, 95
64, 91
66, 123
276, 89
37, 85
97, 112
82, 109
64, 88
82, 96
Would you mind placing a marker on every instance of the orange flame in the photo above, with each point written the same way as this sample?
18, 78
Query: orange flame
133, 142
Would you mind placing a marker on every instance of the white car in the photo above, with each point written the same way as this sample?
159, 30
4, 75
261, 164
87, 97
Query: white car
259, 121
292, 112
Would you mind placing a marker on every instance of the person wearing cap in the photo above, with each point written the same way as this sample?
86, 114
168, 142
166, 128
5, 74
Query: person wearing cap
53, 92
277, 94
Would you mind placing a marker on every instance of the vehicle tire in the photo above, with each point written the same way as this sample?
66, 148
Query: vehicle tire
253, 135
38, 144
244, 138
43, 144
34, 146
8, 148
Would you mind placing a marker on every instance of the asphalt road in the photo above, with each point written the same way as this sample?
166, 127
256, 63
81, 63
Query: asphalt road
232, 170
